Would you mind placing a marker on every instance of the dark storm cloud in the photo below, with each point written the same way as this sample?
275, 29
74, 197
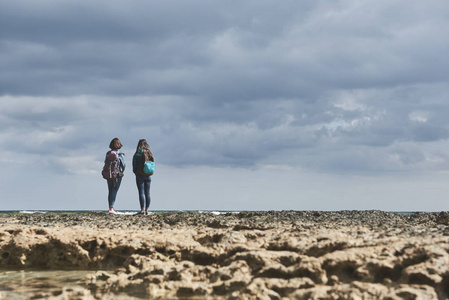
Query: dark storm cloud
216, 51
338, 86
59, 48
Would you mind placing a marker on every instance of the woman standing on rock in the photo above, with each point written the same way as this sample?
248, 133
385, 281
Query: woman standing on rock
143, 180
113, 171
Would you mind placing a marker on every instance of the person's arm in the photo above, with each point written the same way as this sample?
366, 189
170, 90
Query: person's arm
121, 159
135, 161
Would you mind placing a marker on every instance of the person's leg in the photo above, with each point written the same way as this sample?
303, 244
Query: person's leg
147, 193
113, 186
140, 189
112, 193
119, 181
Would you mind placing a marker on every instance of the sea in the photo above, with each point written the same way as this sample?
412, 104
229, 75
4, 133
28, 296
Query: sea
132, 212
123, 212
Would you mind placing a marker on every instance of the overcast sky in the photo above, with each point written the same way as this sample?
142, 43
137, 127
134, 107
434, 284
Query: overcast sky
247, 105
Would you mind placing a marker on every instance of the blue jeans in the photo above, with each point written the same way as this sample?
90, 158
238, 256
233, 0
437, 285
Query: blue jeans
143, 186
113, 186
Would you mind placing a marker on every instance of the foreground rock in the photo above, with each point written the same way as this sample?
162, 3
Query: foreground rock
254, 255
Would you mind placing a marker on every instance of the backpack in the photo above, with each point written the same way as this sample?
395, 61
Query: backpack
148, 165
111, 166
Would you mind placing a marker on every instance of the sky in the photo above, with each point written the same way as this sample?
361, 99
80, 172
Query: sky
247, 105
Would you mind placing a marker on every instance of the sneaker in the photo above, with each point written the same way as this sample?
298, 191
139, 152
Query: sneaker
112, 212
140, 213
146, 213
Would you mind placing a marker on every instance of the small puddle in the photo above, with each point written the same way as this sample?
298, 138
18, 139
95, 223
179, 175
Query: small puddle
25, 284
41, 284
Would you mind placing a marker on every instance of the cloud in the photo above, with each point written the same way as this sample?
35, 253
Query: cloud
322, 87
339, 133
223, 52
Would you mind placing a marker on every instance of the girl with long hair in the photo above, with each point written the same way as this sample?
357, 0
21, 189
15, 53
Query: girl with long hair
143, 181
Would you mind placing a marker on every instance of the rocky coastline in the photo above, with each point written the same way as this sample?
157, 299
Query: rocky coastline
246, 255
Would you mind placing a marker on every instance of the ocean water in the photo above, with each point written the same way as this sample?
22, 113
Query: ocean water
132, 212
123, 212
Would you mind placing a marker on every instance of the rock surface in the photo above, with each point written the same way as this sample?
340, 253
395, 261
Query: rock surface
247, 255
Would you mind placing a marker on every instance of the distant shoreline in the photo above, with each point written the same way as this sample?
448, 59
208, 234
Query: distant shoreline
129, 211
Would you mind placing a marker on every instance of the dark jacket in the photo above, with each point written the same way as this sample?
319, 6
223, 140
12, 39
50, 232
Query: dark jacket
139, 159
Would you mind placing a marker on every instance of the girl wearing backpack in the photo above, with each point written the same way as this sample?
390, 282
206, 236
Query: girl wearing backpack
114, 172
141, 159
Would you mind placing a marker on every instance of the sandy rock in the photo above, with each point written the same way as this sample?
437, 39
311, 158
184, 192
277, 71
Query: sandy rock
65, 294
412, 292
238, 269
257, 260
443, 218
285, 287
250, 255
363, 290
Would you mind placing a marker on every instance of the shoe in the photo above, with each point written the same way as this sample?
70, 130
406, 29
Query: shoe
140, 213
112, 212
146, 213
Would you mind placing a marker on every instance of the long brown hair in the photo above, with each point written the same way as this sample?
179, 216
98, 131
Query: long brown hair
142, 147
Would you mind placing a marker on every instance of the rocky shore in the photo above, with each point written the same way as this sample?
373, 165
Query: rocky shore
247, 255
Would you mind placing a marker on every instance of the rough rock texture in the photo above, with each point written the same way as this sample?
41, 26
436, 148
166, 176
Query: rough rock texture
248, 255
